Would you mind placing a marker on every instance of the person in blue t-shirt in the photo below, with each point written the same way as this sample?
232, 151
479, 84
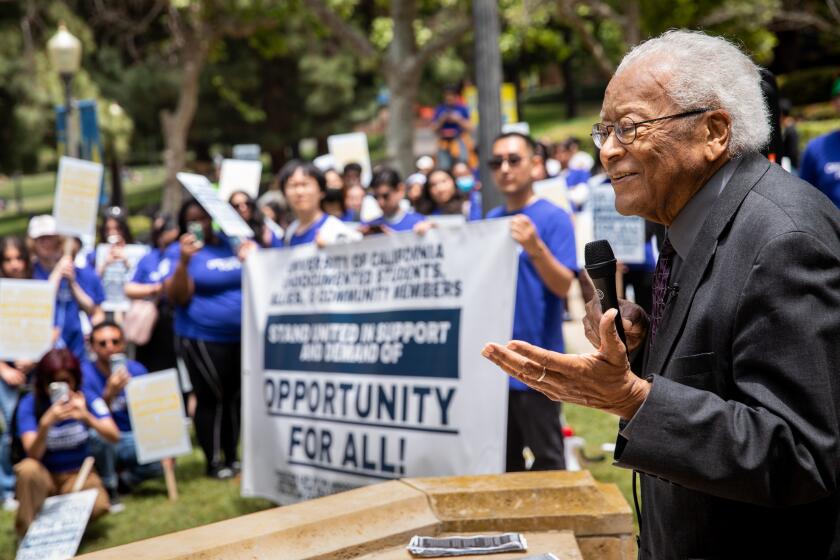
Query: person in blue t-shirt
388, 190
158, 353
452, 124
98, 378
79, 289
53, 424
304, 187
820, 164
205, 285
547, 267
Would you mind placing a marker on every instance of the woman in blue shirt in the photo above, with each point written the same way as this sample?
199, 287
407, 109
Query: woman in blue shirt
304, 187
147, 284
53, 430
206, 288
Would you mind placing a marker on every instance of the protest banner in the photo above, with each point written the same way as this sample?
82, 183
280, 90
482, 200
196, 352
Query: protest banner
361, 362
157, 416
26, 318
555, 191
626, 234
117, 274
221, 212
239, 175
56, 532
351, 148
77, 197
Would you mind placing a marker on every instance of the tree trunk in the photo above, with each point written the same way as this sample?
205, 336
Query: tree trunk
569, 85
403, 71
176, 125
400, 132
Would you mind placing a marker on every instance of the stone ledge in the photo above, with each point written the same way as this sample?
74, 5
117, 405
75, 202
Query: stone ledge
370, 521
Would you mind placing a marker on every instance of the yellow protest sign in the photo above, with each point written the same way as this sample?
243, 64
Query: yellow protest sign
26, 318
157, 416
77, 196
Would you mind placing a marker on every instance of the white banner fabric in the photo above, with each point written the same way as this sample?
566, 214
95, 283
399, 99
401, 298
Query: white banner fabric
361, 362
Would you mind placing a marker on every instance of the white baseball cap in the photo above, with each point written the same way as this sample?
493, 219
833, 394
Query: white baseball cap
40, 226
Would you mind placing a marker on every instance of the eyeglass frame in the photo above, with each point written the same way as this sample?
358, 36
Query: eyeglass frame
513, 160
611, 127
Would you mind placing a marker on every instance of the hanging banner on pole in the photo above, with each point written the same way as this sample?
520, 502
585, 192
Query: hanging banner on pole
362, 362
77, 197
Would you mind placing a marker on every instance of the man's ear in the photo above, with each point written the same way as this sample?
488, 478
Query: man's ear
536, 163
718, 128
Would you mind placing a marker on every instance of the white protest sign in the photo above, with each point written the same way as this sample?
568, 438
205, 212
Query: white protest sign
626, 234
247, 151
222, 213
239, 175
116, 274
362, 362
26, 318
77, 196
157, 416
555, 191
56, 532
351, 148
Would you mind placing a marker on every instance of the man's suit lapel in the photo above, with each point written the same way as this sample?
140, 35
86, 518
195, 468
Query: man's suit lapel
747, 174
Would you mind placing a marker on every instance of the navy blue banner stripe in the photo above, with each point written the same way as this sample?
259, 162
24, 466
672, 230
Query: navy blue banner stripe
446, 431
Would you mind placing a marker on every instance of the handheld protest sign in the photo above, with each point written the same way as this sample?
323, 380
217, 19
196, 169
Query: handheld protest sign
26, 318
222, 213
626, 234
351, 148
116, 275
56, 532
239, 175
157, 416
555, 191
77, 196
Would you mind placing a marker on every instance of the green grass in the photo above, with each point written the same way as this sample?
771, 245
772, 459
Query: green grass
149, 513
548, 120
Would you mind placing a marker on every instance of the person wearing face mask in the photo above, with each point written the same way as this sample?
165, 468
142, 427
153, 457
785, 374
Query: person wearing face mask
471, 188
79, 289
389, 190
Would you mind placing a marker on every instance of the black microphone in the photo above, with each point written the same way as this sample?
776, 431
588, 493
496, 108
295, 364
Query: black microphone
600, 265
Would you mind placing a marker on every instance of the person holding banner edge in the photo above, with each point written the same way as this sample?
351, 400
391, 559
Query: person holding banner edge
732, 420
547, 267
205, 285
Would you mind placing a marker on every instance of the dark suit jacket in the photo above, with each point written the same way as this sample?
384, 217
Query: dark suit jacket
739, 439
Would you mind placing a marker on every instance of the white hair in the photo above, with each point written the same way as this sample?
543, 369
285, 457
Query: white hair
710, 72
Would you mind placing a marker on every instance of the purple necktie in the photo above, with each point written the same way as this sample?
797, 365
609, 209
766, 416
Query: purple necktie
660, 286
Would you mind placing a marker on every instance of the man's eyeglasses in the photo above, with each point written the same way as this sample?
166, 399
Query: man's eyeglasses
495, 162
625, 128
112, 341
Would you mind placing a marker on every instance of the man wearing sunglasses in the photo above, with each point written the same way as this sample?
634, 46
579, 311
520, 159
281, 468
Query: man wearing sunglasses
730, 408
101, 379
547, 266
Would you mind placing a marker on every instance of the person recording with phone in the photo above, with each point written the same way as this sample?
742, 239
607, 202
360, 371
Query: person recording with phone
53, 424
205, 285
107, 378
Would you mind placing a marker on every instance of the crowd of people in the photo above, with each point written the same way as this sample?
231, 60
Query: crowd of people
186, 299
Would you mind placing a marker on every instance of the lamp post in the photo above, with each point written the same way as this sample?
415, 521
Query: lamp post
65, 52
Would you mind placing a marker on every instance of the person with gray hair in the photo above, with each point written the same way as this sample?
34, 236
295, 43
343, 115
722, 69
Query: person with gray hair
727, 394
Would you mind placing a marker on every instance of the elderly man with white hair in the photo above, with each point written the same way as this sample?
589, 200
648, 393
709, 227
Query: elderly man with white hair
730, 398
